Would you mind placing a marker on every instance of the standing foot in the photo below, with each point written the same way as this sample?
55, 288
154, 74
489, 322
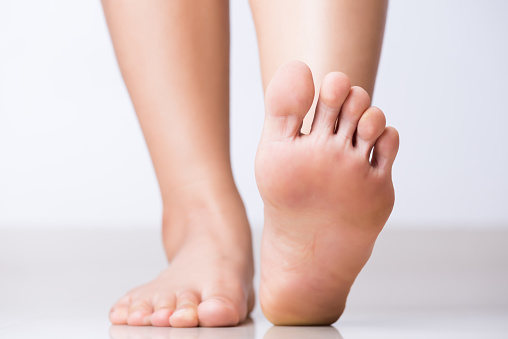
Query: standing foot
209, 280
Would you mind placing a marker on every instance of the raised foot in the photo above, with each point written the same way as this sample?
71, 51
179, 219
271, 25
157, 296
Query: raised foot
327, 195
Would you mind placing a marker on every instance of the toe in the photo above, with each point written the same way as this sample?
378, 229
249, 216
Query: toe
186, 313
140, 312
161, 317
334, 90
120, 311
357, 102
118, 315
223, 305
370, 127
217, 312
288, 98
385, 149
163, 308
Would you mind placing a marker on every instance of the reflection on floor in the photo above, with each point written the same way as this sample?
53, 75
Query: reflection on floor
420, 284
246, 330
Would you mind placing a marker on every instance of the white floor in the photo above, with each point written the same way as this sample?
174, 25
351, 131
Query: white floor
419, 284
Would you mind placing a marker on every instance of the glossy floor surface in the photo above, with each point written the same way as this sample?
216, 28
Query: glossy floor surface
419, 284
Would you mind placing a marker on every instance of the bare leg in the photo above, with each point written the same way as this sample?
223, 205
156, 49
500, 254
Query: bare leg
328, 35
174, 57
327, 194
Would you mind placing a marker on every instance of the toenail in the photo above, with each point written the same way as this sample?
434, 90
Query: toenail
145, 319
185, 313
118, 311
137, 314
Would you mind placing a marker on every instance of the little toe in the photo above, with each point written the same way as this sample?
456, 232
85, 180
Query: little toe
139, 313
288, 98
357, 102
120, 311
385, 149
118, 315
370, 127
334, 90
186, 313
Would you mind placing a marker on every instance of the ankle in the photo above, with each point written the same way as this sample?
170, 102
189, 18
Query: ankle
203, 209
200, 198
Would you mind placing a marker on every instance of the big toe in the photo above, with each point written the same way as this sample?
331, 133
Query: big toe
223, 305
217, 312
288, 98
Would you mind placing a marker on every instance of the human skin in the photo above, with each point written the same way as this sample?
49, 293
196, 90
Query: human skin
326, 195
174, 58
327, 35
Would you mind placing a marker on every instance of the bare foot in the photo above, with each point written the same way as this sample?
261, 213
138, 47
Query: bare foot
209, 280
325, 199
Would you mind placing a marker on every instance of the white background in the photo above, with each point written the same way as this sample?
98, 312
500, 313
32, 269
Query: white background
72, 153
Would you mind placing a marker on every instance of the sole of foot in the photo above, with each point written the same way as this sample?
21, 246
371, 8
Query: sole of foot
209, 280
327, 195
